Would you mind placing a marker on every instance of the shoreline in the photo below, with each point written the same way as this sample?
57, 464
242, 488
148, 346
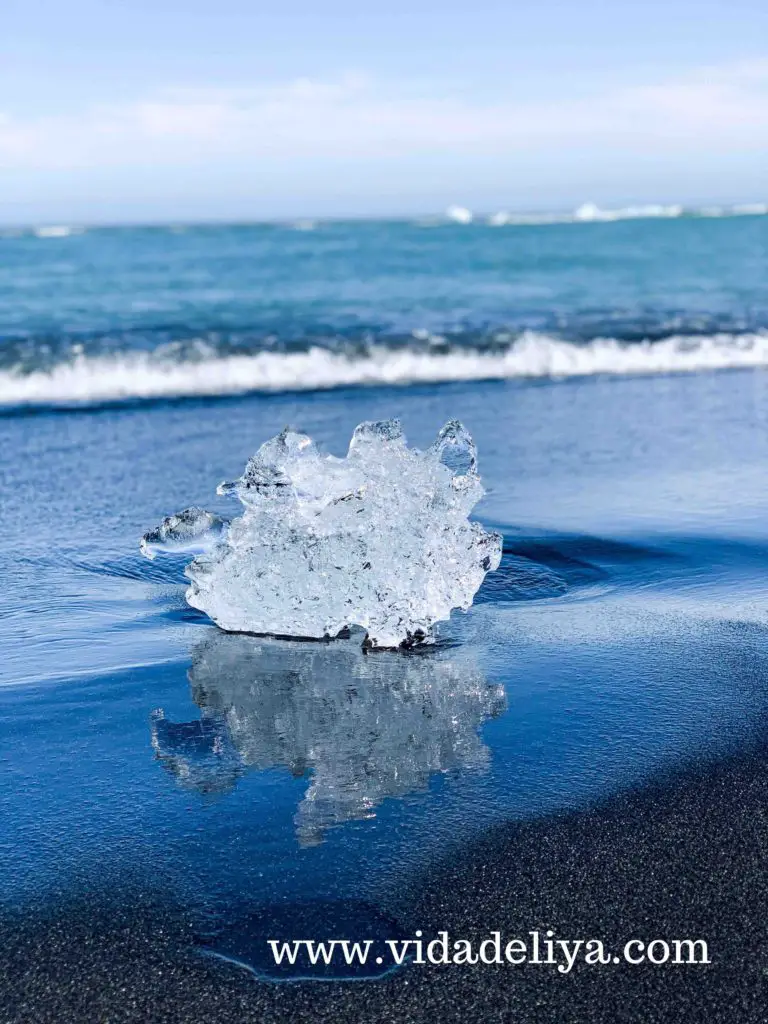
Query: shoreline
680, 858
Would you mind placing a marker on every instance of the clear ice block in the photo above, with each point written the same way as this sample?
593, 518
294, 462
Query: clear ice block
379, 539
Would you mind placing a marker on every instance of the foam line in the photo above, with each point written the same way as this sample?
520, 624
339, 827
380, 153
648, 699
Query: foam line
89, 380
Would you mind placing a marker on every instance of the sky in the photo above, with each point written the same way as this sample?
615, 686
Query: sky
169, 110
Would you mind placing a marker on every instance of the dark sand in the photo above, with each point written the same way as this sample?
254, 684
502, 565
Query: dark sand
686, 858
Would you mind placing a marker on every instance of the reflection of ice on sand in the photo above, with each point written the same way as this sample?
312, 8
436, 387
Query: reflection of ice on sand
364, 727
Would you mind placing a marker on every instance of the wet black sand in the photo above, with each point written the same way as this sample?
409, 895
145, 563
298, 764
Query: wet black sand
685, 858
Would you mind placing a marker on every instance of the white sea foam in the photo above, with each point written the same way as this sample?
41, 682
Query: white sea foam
57, 231
88, 380
591, 212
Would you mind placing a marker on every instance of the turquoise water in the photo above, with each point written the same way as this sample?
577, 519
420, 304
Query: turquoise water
111, 314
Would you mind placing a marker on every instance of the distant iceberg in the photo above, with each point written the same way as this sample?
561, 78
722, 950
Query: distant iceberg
459, 214
498, 220
57, 231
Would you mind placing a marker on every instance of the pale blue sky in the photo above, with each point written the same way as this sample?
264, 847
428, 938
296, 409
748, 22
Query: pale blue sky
184, 109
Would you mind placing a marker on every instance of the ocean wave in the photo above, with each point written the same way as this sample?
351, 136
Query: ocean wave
89, 380
591, 212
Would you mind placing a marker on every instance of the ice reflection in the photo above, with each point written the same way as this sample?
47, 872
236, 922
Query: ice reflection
361, 726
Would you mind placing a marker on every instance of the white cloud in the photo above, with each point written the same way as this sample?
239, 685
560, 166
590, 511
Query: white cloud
730, 101
354, 117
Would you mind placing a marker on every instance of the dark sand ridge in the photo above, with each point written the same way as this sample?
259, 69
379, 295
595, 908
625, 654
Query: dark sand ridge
686, 857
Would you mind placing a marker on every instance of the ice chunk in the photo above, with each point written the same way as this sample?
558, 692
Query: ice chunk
194, 529
456, 449
379, 539
359, 728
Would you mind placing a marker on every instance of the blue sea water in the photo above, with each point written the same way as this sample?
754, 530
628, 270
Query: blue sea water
624, 636
126, 313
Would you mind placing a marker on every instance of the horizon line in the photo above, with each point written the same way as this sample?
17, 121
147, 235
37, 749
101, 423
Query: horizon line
585, 213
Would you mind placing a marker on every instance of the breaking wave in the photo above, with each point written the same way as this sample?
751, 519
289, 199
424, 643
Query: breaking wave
89, 380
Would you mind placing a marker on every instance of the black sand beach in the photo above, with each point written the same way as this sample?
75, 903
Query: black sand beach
684, 857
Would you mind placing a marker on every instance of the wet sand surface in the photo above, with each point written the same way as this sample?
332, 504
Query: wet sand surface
684, 858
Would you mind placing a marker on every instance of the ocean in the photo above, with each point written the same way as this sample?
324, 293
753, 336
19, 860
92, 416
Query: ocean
132, 313
613, 376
